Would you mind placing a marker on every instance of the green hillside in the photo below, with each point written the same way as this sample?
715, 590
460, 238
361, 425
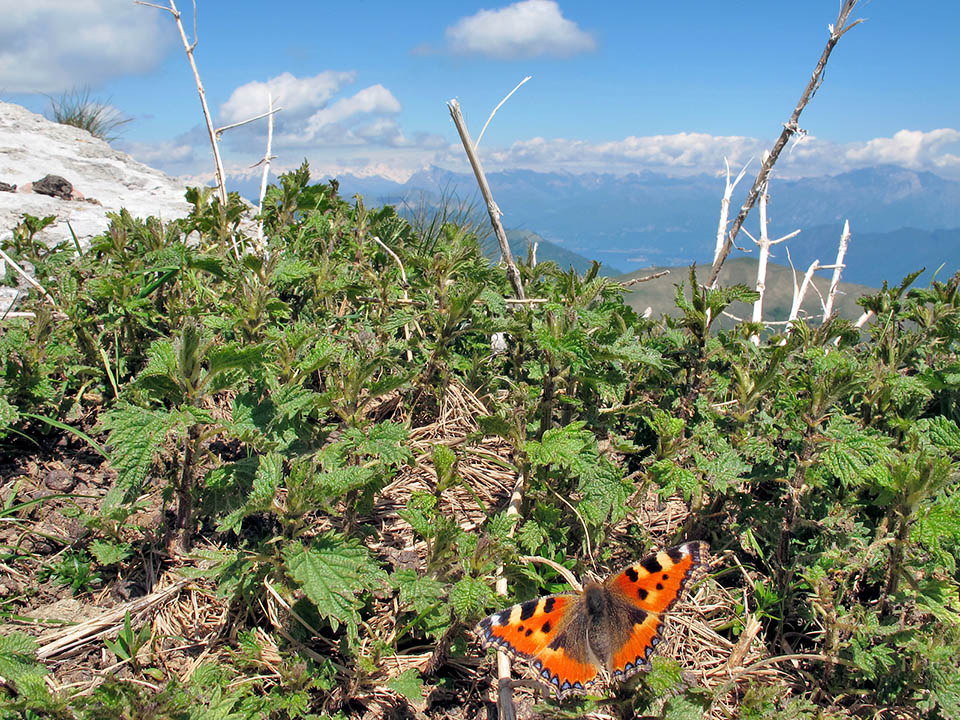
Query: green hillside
659, 293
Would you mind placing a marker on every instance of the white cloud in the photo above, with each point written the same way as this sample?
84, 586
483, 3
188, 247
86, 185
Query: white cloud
297, 96
681, 153
524, 29
912, 149
51, 45
374, 99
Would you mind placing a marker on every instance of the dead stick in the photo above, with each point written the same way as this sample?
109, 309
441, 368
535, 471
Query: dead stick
512, 273
646, 278
218, 163
837, 31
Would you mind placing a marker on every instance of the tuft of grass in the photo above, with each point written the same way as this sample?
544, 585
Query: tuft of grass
79, 109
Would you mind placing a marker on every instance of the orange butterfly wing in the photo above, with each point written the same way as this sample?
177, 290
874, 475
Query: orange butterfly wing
648, 589
551, 633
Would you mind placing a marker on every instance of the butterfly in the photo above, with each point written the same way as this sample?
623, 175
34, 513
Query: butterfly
610, 627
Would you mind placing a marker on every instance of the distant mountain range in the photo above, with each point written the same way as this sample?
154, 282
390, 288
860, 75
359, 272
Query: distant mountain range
901, 219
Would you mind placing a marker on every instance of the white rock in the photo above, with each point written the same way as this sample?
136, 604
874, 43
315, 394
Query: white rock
32, 146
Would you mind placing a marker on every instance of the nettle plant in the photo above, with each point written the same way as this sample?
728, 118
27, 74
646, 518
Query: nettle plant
269, 396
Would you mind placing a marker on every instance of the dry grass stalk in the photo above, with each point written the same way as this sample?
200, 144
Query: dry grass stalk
69, 641
791, 127
494, 112
406, 295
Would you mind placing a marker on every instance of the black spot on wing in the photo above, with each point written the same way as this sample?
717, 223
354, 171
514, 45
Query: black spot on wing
642, 593
637, 616
548, 605
528, 609
659, 586
632, 574
676, 553
651, 565
546, 627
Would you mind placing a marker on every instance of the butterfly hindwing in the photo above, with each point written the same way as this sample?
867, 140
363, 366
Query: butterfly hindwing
566, 662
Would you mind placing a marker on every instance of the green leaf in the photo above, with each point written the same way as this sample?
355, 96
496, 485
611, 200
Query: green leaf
470, 597
940, 431
420, 512
108, 553
335, 572
428, 598
854, 456
136, 434
409, 684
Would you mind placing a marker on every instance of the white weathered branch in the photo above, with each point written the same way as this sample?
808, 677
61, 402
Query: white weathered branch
725, 205
266, 166
838, 269
837, 30
799, 295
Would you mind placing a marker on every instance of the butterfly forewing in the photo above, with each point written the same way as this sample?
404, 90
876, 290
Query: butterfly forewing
525, 629
655, 583
643, 592
551, 633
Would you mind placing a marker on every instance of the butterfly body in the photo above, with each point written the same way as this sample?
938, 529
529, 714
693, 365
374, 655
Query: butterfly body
609, 628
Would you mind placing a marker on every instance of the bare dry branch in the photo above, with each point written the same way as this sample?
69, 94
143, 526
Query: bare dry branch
23, 273
837, 270
269, 113
189, 48
789, 128
646, 278
725, 205
266, 166
512, 273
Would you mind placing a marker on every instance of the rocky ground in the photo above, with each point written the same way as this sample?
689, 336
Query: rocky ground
103, 180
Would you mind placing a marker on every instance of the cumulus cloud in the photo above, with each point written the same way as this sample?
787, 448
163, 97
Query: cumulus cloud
51, 46
297, 96
524, 29
374, 99
912, 149
680, 153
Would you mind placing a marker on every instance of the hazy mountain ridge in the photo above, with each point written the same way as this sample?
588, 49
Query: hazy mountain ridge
901, 219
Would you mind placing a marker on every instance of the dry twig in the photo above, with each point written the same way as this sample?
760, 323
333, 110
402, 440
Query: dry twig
492, 208
791, 127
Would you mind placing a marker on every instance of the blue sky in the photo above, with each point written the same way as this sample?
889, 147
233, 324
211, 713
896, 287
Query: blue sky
616, 86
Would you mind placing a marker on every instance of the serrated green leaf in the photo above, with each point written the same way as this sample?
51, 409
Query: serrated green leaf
409, 684
335, 572
108, 553
470, 597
